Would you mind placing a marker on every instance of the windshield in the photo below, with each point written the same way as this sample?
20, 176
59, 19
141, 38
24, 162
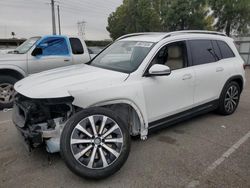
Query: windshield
23, 48
123, 56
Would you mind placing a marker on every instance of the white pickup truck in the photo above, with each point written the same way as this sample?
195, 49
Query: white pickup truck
35, 55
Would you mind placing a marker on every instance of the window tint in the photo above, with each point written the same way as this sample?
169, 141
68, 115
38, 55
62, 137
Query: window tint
216, 50
225, 50
76, 46
54, 46
173, 55
202, 52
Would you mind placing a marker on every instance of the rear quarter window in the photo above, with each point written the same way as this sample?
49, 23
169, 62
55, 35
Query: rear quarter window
226, 51
76, 46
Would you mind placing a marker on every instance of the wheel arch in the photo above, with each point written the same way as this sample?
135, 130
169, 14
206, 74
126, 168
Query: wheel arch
133, 114
237, 78
18, 74
221, 104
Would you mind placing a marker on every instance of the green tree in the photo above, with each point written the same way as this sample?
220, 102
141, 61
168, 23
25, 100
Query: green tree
133, 16
117, 24
233, 16
183, 15
159, 15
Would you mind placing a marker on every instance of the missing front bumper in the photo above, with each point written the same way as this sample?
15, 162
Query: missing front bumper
40, 122
31, 139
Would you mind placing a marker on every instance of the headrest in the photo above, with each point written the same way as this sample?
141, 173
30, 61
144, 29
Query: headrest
174, 52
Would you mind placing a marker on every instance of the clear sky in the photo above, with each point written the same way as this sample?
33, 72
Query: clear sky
33, 17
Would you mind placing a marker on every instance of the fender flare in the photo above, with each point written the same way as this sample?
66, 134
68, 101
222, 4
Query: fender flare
13, 68
230, 79
143, 120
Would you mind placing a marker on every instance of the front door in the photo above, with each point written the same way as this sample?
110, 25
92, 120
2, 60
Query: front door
55, 54
168, 95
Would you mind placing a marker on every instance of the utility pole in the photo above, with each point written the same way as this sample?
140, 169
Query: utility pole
53, 17
81, 28
59, 20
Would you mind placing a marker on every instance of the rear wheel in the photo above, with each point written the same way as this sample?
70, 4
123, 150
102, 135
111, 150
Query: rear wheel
95, 143
229, 99
7, 91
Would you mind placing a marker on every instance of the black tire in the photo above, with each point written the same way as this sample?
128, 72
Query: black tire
66, 145
4, 79
223, 108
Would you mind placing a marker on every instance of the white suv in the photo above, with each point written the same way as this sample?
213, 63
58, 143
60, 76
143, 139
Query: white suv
140, 82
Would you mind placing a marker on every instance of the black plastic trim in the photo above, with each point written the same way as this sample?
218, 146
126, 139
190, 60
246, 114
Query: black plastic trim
176, 118
32, 139
231, 79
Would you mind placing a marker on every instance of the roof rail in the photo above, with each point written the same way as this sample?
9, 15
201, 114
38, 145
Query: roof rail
168, 34
194, 32
137, 34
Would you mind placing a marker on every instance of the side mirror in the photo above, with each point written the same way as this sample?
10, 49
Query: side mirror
159, 70
37, 51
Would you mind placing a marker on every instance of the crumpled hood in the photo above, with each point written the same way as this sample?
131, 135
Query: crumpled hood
59, 82
8, 58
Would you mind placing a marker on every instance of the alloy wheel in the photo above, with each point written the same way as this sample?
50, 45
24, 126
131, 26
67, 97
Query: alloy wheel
231, 98
96, 142
6, 93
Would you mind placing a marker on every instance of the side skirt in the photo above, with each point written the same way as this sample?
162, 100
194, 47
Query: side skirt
176, 118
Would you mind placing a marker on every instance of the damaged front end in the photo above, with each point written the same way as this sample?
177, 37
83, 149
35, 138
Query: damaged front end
40, 121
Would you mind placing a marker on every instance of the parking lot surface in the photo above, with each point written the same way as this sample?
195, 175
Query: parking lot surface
206, 151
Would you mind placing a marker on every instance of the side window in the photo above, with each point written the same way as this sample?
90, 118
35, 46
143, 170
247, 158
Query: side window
216, 49
54, 46
202, 52
76, 46
173, 55
225, 50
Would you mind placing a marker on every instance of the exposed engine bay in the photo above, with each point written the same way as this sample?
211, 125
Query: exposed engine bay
42, 120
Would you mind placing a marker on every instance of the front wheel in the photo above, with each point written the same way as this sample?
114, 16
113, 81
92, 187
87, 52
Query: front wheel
7, 91
95, 143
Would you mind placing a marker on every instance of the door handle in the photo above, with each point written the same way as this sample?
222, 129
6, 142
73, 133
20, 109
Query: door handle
219, 69
187, 77
66, 60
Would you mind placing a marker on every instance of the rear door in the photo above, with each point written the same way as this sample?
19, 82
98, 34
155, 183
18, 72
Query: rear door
56, 53
208, 72
227, 59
